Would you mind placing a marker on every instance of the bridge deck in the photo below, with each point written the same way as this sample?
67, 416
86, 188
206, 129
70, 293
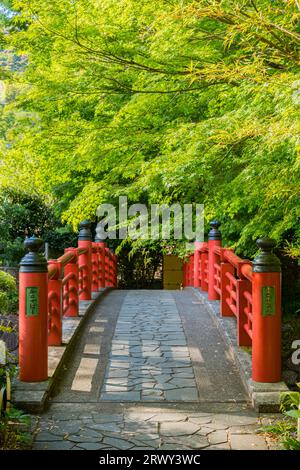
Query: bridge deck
150, 371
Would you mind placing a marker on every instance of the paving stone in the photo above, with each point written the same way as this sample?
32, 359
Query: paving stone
246, 429
148, 386
178, 428
138, 415
165, 386
182, 394
88, 431
149, 398
141, 428
138, 361
162, 417
167, 371
69, 427
114, 427
55, 445
150, 392
181, 382
115, 388
117, 381
175, 342
247, 442
190, 442
118, 365
206, 420
121, 396
118, 443
85, 416
204, 431
223, 446
107, 418
162, 376
116, 353
211, 426
141, 448
91, 446
232, 420
178, 365
84, 438
47, 437
218, 437
167, 446
154, 443
112, 373
174, 356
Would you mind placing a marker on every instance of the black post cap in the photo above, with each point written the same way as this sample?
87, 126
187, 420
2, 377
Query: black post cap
214, 233
34, 261
266, 261
85, 232
98, 239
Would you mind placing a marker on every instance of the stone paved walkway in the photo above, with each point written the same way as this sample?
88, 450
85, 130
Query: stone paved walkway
150, 371
150, 359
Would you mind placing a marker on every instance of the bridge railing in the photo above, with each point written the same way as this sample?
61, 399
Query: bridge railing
49, 291
249, 291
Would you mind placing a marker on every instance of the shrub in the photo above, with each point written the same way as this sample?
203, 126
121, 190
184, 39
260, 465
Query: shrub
12, 252
8, 293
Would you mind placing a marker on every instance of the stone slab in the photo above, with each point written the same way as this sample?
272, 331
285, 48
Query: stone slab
33, 397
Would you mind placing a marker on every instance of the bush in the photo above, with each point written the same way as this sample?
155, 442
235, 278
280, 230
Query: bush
14, 424
23, 214
12, 252
3, 302
8, 293
59, 239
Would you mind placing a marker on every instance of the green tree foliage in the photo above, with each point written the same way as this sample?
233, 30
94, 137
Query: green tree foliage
165, 101
24, 214
8, 293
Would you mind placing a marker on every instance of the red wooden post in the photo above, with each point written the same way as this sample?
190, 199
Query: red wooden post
191, 283
214, 239
197, 258
85, 259
54, 304
109, 257
243, 339
114, 270
204, 259
95, 268
71, 269
101, 259
225, 283
106, 264
111, 269
266, 303
33, 314
99, 265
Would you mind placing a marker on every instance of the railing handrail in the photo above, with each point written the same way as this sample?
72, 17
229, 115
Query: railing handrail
67, 258
247, 271
250, 291
230, 256
56, 288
